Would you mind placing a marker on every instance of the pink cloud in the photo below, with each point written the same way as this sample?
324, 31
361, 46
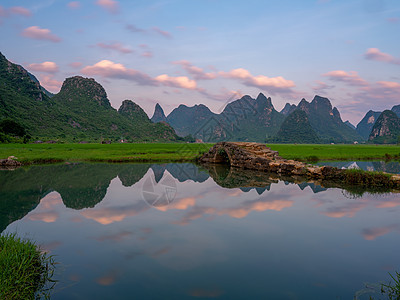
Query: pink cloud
47, 217
147, 54
19, 10
388, 203
347, 210
379, 95
351, 77
109, 69
75, 64
50, 84
106, 216
74, 4
110, 5
108, 279
2, 11
377, 55
245, 209
164, 33
239, 212
389, 84
321, 86
115, 46
46, 67
197, 72
371, 234
181, 204
35, 32
393, 20
224, 95
15, 10
180, 81
271, 84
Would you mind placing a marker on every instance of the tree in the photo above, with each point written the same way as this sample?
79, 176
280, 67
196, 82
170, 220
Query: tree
11, 127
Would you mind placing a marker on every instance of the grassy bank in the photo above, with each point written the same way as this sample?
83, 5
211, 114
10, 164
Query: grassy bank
24, 269
44, 153
174, 152
307, 152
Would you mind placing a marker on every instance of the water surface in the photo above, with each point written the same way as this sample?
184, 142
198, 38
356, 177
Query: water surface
140, 231
379, 165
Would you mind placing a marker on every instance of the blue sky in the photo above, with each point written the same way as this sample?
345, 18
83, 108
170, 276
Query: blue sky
213, 51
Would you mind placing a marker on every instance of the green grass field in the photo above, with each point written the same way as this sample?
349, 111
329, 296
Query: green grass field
175, 152
336, 152
41, 153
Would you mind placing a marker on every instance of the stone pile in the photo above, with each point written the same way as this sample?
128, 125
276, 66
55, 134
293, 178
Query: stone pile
9, 163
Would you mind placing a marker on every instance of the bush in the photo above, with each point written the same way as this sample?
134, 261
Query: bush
11, 127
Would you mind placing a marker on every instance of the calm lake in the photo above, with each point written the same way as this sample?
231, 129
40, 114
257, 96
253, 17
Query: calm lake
141, 231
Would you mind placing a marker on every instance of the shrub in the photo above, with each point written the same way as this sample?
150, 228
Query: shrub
12, 128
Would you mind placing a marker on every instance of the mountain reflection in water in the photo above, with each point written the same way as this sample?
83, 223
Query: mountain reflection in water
85, 185
223, 233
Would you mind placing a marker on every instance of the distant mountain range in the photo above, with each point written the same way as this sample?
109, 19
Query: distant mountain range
82, 112
249, 119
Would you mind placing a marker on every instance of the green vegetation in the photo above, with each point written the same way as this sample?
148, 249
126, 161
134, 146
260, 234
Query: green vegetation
45, 153
309, 152
389, 123
81, 111
157, 152
25, 270
296, 129
13, 132
356, 182
392, 290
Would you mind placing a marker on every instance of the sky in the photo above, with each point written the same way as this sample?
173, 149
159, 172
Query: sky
211, 52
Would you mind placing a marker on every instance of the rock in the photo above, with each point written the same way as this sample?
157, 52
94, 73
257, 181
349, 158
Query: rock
9, 163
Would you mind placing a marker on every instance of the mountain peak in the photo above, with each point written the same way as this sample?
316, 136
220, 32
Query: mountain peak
303, 101
131, 110
364, 127
396, 110
264, 101
386, 128
158, 115
16, 76
321, 102
87, 87
296, 128
261, 97
289, 108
